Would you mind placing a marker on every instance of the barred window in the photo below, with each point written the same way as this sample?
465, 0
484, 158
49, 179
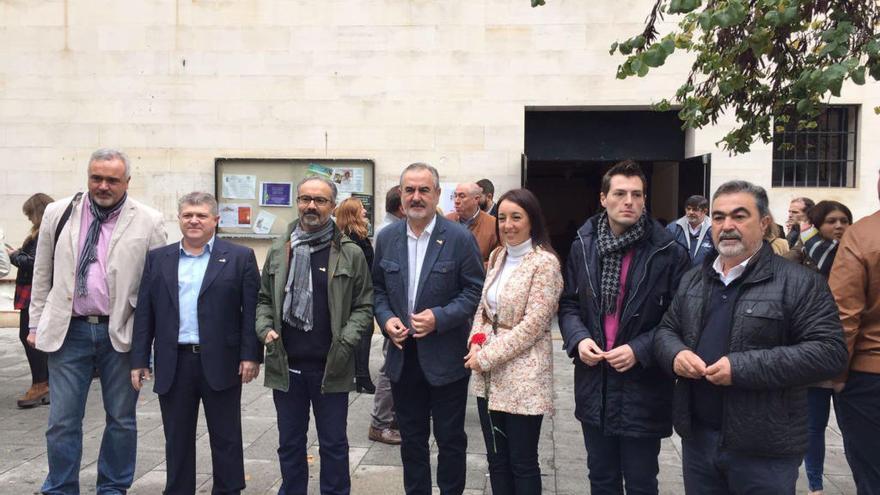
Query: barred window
821, 156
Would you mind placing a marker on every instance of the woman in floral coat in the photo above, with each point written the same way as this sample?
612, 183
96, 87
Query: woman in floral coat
510, 350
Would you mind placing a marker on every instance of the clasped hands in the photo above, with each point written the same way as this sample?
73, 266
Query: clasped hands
423, 323
688, 365
620, 358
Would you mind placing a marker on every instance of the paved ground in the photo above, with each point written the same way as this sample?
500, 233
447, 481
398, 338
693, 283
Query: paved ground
375, 467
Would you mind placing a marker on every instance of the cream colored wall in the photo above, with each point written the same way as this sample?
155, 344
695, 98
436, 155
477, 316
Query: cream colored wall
177, 84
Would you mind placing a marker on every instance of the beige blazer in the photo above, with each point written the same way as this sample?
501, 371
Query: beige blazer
518, 358
138, 229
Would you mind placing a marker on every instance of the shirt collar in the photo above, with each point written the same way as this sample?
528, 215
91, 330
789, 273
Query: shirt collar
208, 247
734, 272
428, 230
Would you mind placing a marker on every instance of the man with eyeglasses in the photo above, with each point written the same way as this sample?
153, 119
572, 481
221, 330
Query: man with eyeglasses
314, 306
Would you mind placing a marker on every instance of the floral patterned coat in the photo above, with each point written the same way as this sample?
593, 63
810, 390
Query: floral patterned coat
518, 357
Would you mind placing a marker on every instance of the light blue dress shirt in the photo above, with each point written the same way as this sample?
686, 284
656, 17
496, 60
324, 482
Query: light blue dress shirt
190, 273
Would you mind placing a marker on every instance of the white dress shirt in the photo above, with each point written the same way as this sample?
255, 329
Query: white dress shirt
416, 247
734, 272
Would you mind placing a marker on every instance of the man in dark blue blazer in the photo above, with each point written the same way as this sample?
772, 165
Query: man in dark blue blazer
427, 280
197, 310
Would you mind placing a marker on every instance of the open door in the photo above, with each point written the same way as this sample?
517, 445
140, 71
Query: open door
523, 171
693, 178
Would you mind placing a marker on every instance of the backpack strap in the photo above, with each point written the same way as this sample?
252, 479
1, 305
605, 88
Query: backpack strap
61, 223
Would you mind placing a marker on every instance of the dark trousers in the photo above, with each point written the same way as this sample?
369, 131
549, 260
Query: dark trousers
512, 450
331, 416
362, 356
858, 415
37, 360
618, 461
818, 410
417, 403
710, 470
180, 414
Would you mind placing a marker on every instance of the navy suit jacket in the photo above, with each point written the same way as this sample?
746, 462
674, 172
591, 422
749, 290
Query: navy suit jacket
450, 285
227, 308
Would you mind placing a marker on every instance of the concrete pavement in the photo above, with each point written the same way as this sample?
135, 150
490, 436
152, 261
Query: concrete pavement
375, 467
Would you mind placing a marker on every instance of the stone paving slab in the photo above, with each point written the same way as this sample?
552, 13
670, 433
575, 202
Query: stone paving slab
375, 467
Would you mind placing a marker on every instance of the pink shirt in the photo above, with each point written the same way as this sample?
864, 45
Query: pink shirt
612, 322
97, 302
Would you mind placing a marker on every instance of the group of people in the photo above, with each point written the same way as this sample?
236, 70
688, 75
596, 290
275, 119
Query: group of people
699, 325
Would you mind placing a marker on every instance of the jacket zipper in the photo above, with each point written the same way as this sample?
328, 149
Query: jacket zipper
644, 274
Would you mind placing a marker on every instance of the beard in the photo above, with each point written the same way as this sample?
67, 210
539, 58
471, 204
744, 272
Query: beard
312, 219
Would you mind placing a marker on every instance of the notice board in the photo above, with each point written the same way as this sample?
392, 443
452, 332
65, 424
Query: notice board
258, 196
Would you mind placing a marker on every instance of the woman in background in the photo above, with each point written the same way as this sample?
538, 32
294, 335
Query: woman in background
23, 259
510, 350
351, 218
816, 249
774, 236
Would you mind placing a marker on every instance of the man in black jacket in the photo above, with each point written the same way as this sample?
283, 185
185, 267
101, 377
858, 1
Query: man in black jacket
620, 276
746, 335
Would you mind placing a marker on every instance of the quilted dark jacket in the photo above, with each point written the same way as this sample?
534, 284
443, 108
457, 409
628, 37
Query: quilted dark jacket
638, 402
786, 334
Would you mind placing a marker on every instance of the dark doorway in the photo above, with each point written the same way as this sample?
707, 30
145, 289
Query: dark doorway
567, 152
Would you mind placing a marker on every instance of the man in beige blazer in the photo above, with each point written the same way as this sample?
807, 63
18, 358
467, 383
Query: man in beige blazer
82, 306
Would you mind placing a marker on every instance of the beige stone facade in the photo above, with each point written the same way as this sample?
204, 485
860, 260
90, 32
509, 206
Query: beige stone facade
179, 83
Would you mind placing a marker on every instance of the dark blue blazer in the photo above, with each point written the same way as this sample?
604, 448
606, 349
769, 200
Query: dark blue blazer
227, 308
450, 284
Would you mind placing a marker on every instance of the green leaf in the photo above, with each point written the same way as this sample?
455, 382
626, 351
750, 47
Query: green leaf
858, 76
668, 45
643, 70
654, 56
804, 106
613, 48
773, 18
872, 48
536, 3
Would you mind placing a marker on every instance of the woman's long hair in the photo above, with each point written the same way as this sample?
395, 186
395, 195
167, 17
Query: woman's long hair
349, 218
33, 208
527, 200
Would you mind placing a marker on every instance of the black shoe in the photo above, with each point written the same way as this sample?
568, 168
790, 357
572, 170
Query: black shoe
364, 385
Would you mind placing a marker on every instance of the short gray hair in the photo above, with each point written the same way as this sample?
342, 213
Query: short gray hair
742, 186
198, 198
421, 166
108, 154
330, 184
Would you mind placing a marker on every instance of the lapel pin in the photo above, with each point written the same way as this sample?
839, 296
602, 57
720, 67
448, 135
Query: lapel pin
440, 241
222, 260
323, 269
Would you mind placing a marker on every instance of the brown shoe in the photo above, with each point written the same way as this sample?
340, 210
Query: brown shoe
385, 435
36, 395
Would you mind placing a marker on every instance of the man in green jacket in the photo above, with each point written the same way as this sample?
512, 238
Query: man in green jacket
315, 304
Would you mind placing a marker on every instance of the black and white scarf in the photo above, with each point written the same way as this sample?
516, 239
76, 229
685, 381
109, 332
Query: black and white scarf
611, 251
297, 309
821, 252
89, 252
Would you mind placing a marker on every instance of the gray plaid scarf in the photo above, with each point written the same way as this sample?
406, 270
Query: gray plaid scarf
297, 310
89, 252
611, 251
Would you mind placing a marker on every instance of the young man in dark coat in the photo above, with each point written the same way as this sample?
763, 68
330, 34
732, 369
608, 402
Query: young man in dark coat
620, 276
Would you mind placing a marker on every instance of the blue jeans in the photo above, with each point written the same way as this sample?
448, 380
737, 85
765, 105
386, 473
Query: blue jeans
70, 374
858, 415
331, 416
818, 409
709, 469
618, 461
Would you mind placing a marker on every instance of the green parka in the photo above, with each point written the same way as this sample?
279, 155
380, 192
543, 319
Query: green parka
349, 295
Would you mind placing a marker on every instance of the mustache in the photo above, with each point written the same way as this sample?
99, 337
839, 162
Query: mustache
729, 236
310, 212
415, 204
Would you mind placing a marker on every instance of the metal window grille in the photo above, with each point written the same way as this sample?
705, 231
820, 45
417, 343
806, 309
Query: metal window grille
824, 156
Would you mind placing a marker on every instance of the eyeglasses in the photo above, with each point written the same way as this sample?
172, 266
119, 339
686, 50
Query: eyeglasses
319, 201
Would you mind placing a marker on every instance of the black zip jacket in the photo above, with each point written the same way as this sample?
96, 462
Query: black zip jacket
638, 402
785, 335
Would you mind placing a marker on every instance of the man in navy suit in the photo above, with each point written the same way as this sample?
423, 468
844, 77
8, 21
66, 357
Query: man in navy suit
197, 309
427, 280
